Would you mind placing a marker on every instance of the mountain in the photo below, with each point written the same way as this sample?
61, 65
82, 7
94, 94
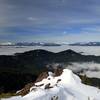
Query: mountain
6, 44
66, 86
51, 44
29, 44
36, 44
31, 61
23, 68
86, 44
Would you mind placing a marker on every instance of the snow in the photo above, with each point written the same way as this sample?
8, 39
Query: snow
69, 87
6, 43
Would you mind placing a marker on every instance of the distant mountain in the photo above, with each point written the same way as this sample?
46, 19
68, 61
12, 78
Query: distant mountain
36, 44
86, 44
6, 44
51, 44
29, 44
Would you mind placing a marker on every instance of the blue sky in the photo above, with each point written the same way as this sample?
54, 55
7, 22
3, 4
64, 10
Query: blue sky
49, 20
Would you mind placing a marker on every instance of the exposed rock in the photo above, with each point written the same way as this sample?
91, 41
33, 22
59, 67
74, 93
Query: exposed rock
42, 76
58, 72
25, 90
39, 85
58, 80
49, 78
27, 87
47, 86
54, 98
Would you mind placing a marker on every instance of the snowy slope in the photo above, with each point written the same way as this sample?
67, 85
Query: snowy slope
67, 86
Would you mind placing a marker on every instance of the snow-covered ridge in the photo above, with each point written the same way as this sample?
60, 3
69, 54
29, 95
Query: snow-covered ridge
86, 44
67, 86
6, 44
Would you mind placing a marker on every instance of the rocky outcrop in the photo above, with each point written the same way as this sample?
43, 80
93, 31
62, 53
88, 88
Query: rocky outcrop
26, 89
58, 72
42, 76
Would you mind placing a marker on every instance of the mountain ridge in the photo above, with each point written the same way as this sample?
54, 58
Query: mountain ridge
32, 63
85, 44
65, 86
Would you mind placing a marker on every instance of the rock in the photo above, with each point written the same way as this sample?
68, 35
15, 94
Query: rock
47, 86
58, 80
42, 76
39, 85
58, 72
25, 90
54, 98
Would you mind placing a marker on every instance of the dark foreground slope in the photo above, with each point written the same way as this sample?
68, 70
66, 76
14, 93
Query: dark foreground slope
20, 69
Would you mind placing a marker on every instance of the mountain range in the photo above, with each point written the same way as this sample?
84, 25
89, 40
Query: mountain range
85, 44
29, 44
49, 44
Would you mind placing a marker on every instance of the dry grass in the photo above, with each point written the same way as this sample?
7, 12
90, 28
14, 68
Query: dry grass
7, 95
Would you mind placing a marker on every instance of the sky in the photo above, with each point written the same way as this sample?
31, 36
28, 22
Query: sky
49, 20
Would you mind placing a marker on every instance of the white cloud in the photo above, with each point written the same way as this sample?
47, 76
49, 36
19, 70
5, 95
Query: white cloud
32, 18
95, 29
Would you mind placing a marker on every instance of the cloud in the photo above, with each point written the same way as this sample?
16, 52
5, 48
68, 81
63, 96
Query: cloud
32, 19
55, 17
95, 29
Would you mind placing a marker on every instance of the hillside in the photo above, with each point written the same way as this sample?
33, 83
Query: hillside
27, 66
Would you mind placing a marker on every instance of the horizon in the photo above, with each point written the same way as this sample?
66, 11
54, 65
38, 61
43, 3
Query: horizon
49, 20
8, 42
